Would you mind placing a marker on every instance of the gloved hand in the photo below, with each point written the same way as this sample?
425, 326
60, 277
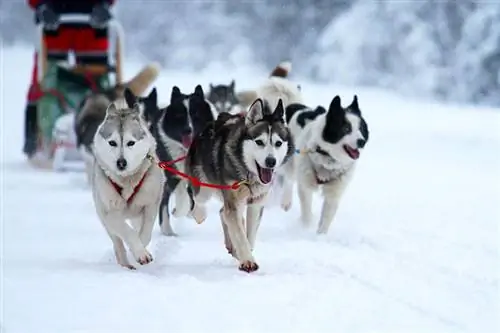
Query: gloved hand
48, 17
100, 15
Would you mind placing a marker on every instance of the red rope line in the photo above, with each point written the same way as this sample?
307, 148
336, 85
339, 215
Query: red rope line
195, 181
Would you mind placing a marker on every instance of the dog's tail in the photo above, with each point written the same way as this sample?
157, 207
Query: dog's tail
282, 69
142, 80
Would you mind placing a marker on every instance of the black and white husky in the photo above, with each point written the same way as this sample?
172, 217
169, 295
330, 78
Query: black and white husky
126, 181
246, 150
223, 97
173, 129
331, 142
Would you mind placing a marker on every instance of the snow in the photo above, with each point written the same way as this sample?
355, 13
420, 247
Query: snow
414, 247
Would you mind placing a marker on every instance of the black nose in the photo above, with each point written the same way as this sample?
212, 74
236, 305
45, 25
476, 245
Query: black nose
270, 162
361, 143
186, 131
121, 164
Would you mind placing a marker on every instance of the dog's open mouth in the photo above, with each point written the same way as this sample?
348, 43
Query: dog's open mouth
265, 174
187, 140
352, 152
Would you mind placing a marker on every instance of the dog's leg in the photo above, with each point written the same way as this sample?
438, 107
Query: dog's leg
332, 193
120, 251
227, 239
199, 212
254, 217
234, 222
305, 196
288, 180
182, 200
118, 227
148, 222
165, 225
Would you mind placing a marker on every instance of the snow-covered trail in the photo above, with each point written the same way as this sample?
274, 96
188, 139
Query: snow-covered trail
414, 246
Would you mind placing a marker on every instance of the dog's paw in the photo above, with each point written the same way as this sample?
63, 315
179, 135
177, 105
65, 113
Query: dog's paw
129, 266
286, 206
248, 266
144, 258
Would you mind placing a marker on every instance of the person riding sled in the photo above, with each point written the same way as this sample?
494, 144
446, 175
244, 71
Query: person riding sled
88, 41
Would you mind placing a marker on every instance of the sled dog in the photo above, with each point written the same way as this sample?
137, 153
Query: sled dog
331, 141
126, 181
233, 149
184, 117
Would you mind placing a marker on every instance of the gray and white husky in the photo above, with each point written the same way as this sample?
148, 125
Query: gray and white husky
126, 181
246, 150
331, 142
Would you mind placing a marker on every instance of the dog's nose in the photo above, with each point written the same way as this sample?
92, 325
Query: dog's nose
121, 164
361, 143
270, 162
187, 131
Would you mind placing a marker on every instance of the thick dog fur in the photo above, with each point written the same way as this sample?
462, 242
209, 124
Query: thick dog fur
234, 149
185, 116
126, 182
331, 141
223, 97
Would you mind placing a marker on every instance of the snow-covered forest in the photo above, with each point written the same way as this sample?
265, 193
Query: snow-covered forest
445, 49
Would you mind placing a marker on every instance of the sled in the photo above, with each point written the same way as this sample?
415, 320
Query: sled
62, 87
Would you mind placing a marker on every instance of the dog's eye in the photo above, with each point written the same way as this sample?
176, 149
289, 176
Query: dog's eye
346, 128
278, 144
113, 143
130, 143
259, 143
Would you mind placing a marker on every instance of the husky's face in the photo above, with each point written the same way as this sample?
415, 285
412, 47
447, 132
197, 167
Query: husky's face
186, 115
268, 144
223, 97
122, 140
148, 105
341, 135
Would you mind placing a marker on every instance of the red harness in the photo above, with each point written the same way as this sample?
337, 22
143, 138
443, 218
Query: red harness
137, 187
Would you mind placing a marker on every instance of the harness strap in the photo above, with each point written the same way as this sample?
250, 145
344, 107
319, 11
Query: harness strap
137, 187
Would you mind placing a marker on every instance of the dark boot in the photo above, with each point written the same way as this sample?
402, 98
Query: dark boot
30, 130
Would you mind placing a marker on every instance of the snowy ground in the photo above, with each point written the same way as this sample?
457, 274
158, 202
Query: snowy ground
414, 247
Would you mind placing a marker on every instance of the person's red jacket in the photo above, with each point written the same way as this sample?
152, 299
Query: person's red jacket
70, 6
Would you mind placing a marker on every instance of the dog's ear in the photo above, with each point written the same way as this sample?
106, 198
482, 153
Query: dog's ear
255, 112
335, 105
175, 95
198, 91
232, 85
152, 98
279, 112
130, 97
354, 107
211, 86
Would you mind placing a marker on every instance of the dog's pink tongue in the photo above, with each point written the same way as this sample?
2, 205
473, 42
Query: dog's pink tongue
187, 140
265, 175
353, 153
